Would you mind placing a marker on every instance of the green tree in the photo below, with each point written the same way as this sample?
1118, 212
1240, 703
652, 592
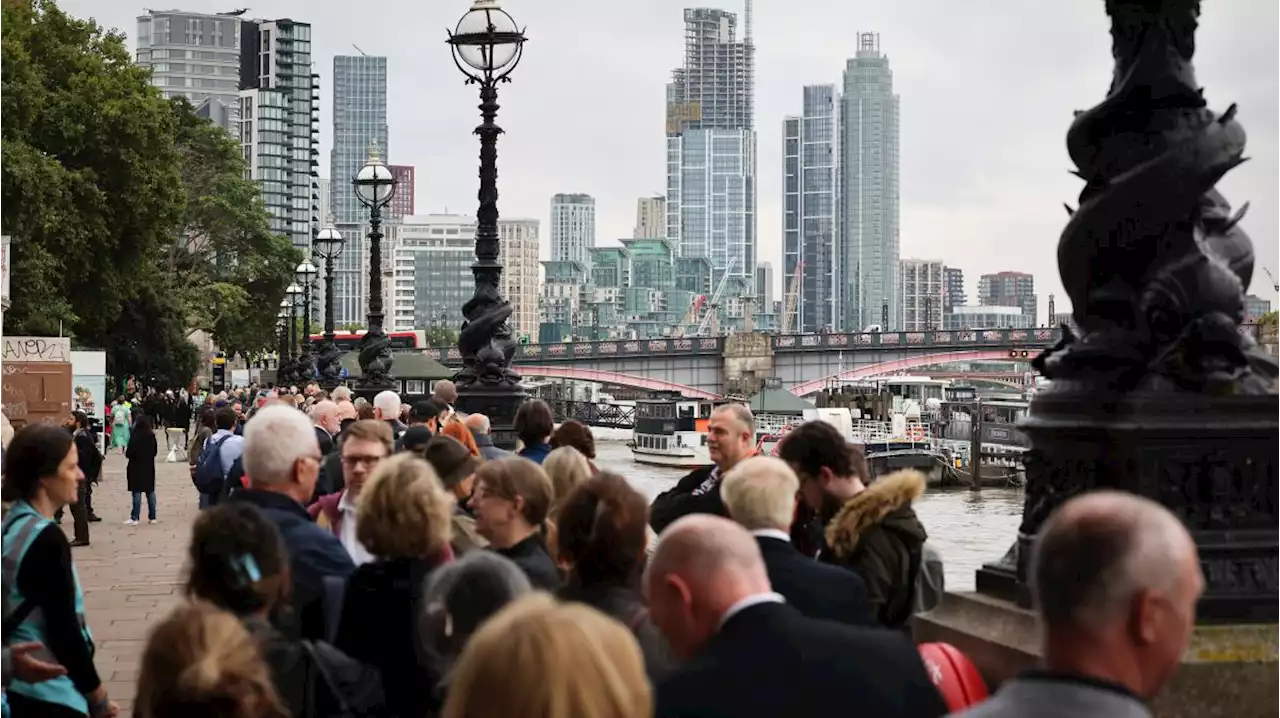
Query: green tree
351, 327
225, 263
90, 184
441, 336
159, 356
1268, 319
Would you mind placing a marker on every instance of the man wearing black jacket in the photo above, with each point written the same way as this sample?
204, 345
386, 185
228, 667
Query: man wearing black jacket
731, 435
760, 494
748, 654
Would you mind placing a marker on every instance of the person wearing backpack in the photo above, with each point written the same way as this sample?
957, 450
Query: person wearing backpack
220, 453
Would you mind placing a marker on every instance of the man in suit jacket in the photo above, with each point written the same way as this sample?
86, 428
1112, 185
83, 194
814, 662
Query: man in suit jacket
747, 654
760, 493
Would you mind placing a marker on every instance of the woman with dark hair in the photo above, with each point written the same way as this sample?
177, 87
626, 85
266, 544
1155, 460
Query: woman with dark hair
601, 533
578, 435
534, 424
206, 426
141, 474
237, 561
43, 602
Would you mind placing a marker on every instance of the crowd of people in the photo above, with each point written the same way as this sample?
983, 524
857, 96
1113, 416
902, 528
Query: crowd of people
371, 558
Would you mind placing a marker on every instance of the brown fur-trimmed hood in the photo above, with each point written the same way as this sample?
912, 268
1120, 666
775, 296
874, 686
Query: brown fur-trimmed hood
885, 496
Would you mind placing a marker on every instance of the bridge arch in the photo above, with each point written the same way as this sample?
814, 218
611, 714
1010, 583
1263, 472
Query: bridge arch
610, 377
900, 365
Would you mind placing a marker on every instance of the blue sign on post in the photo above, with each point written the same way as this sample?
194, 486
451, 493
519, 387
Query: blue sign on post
343, 374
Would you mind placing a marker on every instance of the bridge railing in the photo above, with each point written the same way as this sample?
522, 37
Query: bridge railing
783, 343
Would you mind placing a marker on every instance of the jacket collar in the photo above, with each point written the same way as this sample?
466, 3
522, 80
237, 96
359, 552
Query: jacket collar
482, 439
272, 500
884, 496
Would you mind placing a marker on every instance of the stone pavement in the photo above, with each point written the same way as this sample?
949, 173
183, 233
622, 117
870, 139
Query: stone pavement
132, 575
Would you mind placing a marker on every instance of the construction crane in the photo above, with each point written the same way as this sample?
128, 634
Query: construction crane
792, 298
690, 316
1272, 277
715, 300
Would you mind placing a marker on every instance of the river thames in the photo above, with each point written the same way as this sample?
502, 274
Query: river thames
967, 528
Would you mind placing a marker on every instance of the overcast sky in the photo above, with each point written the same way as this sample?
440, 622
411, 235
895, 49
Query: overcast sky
987, 92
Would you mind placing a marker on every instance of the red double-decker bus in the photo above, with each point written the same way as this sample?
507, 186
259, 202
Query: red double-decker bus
350, 341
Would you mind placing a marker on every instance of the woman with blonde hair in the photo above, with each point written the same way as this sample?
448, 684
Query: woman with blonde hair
511, 504
566, 467
200, 662
552, 660
404, 518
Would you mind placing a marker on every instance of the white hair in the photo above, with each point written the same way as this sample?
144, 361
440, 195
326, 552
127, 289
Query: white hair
274, 440
340, 393
323, 409
760, 493
479, 423
741, 413
387, 402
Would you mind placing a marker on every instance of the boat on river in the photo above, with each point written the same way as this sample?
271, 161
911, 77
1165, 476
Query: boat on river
671, 430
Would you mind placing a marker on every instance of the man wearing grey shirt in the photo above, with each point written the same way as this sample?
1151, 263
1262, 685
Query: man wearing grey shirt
1116, 579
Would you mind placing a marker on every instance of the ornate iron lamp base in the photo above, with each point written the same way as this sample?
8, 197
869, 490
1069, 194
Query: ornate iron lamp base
499, 403
1212, 460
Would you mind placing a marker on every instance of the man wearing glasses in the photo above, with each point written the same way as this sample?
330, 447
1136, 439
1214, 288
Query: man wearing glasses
364, 445
281, 460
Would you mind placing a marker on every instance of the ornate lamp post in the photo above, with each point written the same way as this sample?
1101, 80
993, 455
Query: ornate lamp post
1157, 391
292, 295
306, 276
375, 186
328, 245
282, 324
487, 45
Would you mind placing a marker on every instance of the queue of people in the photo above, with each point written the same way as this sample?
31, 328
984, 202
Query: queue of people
373, 575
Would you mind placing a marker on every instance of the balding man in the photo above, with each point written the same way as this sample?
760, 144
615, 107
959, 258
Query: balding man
479, 426
328, 422
760, 494
747, 654
445, 394
1116, 579
731, 437
281, 459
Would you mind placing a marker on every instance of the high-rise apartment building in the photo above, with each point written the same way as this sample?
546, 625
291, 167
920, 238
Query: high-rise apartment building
521, 272
275, 56
359, 126
651, 218
1009, 289
953, 292
402, 202
922, 284
711, 144
810, 194
196, 56
430, 264
265, 141
868, 208
573, 228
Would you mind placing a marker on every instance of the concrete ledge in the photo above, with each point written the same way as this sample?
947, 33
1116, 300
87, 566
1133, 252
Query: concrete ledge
1228, 671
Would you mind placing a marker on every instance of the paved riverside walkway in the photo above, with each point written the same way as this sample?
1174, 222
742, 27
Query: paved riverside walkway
132, 575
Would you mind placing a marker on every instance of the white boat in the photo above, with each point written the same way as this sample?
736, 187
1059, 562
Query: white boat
671, 431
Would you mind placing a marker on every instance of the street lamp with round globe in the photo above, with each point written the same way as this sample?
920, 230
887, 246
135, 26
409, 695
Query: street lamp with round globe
327, 246
375, 186
487, 43
486, 46
305, 273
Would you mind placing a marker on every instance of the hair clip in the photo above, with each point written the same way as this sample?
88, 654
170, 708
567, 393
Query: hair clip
249, 567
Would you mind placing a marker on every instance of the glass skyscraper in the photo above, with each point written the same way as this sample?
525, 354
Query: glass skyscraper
196, 56
868, 210
810, 230
711, 145
359, 122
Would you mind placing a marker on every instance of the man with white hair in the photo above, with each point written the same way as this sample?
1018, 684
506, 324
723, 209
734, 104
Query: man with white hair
281, 460
760, 493
386, 407
1116, 578
731, 437
746, 653
479, 426
328, 422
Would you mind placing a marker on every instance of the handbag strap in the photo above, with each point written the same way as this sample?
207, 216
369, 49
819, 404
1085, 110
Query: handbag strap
314, 655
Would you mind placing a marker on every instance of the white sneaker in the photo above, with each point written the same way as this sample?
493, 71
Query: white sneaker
130, 522
154, 521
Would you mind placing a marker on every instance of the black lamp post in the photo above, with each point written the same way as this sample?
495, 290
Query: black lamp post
487, 46
282, 324
1155, 390
328, 245
375, 186
306, 276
